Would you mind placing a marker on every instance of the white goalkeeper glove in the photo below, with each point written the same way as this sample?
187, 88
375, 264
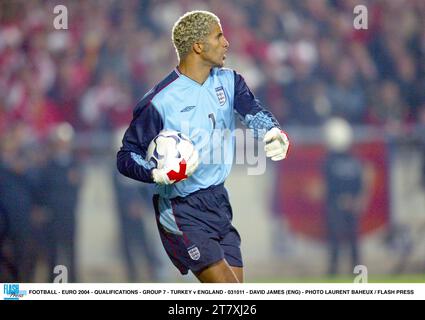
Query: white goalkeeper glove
192, 163
159, 176
277, 144
167, 176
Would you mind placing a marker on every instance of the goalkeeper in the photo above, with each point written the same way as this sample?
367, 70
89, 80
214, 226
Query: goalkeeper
194, 215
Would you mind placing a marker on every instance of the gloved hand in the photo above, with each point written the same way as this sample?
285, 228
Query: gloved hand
277, 144
160, 176
192, 162
186, 169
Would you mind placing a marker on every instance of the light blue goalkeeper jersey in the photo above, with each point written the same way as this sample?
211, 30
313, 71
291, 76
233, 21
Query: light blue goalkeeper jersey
205, 113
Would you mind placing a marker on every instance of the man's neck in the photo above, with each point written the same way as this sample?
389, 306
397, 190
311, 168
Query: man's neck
195, 70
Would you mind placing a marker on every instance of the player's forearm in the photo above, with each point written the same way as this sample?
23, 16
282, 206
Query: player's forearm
134, 167
250, 109
261, 122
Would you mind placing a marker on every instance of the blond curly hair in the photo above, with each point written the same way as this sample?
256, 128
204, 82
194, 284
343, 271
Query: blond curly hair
191, 27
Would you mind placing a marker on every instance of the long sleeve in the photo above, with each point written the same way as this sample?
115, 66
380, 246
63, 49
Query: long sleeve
146, 124
250, 110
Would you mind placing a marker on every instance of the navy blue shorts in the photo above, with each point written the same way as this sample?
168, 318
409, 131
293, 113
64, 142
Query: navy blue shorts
197, 230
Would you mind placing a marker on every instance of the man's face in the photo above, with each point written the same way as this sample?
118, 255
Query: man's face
215, 47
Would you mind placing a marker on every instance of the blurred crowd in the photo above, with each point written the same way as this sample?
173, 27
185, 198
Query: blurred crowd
303, 60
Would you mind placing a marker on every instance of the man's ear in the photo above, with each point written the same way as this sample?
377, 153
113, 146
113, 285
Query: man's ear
198, 47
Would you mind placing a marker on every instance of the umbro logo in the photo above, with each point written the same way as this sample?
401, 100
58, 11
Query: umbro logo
188, 108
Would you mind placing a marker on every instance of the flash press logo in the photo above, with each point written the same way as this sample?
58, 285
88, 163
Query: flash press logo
12, 292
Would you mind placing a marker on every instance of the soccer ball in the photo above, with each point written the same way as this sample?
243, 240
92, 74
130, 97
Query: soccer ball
170, 149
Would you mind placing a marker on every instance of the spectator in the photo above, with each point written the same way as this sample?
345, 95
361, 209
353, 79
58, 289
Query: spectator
343, 174
60, 184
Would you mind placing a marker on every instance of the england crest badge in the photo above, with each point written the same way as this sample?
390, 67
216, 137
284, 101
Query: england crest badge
194, 253
220, 95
